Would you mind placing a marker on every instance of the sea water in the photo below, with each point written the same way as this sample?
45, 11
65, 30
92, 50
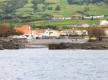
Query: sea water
44, 64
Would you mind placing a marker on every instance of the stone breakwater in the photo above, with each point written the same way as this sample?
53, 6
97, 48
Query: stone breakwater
88, 45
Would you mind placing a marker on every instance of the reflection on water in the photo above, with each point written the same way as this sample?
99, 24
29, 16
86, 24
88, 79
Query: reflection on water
44, 64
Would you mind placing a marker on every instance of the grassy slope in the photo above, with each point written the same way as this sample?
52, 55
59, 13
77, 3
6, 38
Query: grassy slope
98, 10
66, 10
3, 0
64, 22
26, 9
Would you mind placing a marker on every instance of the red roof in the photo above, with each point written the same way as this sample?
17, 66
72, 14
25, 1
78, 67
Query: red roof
26, 29
106, 29
39, 31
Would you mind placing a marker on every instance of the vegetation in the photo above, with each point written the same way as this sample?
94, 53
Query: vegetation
10, 6
6, 31
95, 31
85, 1
39, 12
35, 4
56, 7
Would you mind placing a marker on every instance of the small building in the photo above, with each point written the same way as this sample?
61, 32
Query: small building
104, 22
85, 25
67, 18
74, 32
94, 17
52, 33
26, 30
70, 31
38, 33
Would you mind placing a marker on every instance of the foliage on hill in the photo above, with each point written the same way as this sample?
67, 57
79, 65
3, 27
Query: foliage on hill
56, 8
10, 6
106, 1
84, 1
35, 4
6, 31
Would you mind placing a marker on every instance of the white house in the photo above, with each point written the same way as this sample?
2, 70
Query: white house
39, 33
94, 17
62, 18
103, 22
67, 18
74, 32
52, 33
85, 25
27, 32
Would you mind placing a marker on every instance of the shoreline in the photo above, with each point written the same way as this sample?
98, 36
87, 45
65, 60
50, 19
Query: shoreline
95, 45
86, 46
10, 45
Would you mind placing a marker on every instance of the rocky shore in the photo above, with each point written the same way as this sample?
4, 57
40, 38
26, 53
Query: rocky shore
87, 45
9, 45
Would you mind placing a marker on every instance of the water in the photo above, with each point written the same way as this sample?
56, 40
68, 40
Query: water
44, 64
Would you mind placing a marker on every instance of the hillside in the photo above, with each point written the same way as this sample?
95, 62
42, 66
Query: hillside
56, 8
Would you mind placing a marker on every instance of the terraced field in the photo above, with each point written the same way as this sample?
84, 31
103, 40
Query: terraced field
65, 9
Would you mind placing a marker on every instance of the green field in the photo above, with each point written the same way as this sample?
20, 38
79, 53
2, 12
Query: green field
65, 9
54, 23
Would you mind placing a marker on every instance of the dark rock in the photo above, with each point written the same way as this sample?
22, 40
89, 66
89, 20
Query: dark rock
78, 46
9, 45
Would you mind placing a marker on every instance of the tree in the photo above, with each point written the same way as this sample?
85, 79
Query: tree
106, 1
57, 8
95, 31
47, 16
10, 6
99, 33
70, 2
92, 18
50, 8
35, 4
6, 31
